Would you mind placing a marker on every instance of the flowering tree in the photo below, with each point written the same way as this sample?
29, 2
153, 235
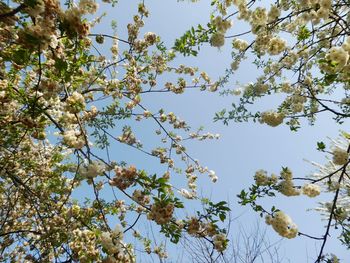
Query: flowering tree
301, 51
64, 106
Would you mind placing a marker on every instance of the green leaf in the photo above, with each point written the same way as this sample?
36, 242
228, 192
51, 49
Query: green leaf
321, 146
222, 217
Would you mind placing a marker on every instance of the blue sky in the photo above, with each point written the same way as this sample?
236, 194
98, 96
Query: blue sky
243, 147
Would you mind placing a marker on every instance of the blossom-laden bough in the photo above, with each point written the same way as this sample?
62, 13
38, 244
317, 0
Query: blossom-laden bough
301, 51
62, 102
333, 178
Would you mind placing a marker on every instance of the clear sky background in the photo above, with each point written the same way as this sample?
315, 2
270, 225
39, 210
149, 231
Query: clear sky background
243, 147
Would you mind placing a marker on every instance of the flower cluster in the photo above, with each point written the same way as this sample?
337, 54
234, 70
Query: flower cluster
286, 186
188, 195
311, 190
116, 249
272, 118
92, 170
88, 6
276, 46
75, 102
337, 59
198, 228
282, 224
160, 252
140, 197
193, 226
213, 176
161, 213
84, 245
261, 178
150, 39
222, 25
73, 139
318, 10
220, 242
124, 177
259, 17
340, 156
129, 137
240, 44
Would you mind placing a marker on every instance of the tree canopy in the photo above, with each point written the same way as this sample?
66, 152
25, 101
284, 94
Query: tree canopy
301, 53
68, 96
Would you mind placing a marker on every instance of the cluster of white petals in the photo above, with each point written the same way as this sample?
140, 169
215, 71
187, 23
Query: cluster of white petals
186, 194
92, 170
286, 186
311, 190
76, 102
220, 242
340, 156
261, 178
240, 44
338, 58
88, 6
73, 139
213, 176
222, 25
160, 213
276, 46
272, 118
117, 250
282, 224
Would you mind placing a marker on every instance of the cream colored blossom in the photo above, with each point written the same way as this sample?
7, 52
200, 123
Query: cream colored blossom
282, 224
340, 156
311, 190
338, 56
272, 118
92, 170
185, 193
88, 6
276, 46
217, 39
259, 17
220, 242
239, 44
73, 139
